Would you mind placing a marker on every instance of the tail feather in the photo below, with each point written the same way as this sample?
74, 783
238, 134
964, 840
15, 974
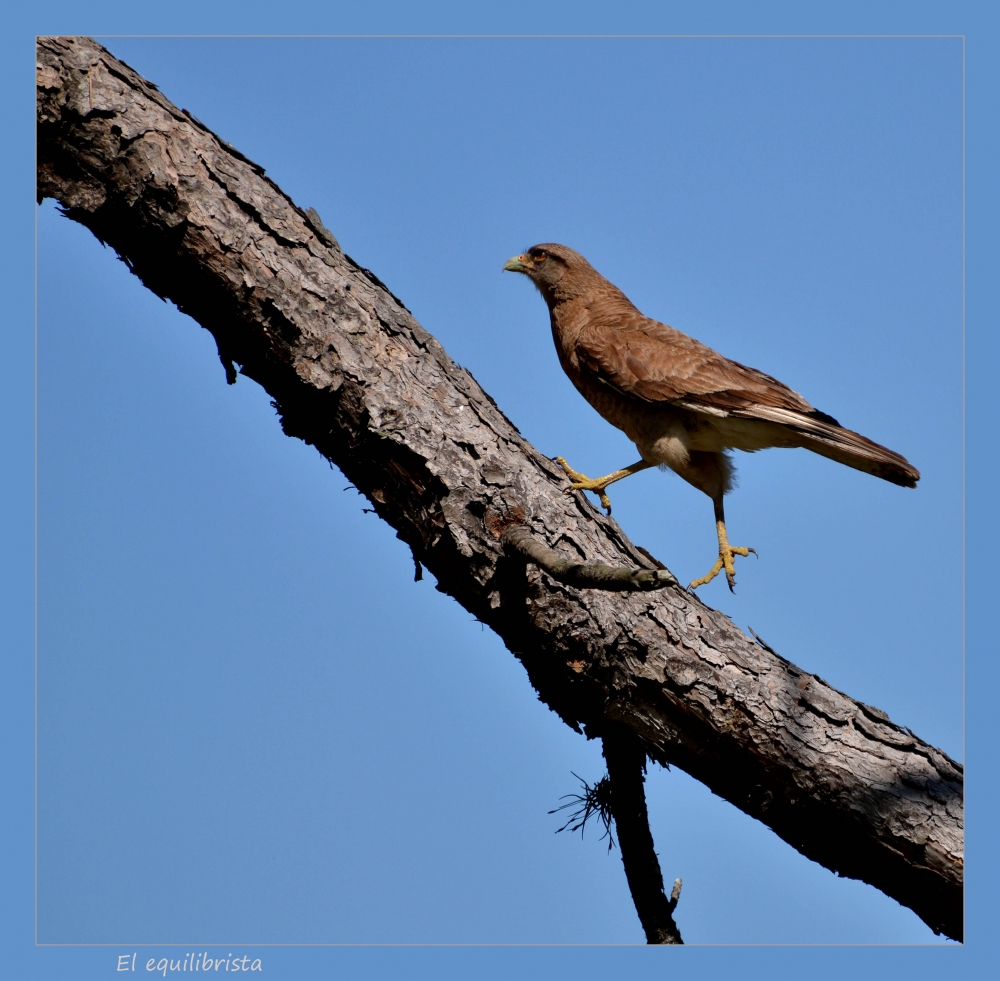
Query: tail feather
822, 434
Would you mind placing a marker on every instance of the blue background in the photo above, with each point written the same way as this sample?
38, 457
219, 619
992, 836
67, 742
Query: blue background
253, 727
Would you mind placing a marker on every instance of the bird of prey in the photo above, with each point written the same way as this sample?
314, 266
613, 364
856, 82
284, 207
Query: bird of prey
682, 404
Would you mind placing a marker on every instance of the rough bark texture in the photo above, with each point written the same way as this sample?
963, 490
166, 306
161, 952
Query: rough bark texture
352, 373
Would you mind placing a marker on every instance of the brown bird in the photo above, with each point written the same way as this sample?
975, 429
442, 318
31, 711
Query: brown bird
682, 404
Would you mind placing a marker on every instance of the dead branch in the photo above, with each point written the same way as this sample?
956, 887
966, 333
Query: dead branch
352, 373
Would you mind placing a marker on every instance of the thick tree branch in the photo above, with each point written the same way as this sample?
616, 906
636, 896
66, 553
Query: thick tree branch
353, 373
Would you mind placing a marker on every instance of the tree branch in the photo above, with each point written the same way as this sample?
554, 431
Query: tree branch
352, 373
516, 538
626, 761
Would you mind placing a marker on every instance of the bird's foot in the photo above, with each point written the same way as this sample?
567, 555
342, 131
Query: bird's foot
724, 561
580, 481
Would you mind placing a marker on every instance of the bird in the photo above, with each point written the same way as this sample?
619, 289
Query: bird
683, 405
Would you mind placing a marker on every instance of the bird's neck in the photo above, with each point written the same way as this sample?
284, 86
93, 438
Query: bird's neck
578, 286
574, 303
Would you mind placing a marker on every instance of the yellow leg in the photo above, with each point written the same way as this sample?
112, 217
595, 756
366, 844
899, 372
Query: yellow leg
581, 481
726, 553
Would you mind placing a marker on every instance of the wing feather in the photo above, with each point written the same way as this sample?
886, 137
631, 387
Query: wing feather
649, 361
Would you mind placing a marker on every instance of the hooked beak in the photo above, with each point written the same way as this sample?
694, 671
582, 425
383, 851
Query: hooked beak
516, 264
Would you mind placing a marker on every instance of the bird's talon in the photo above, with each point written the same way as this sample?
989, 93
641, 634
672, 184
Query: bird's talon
581, 482
724, 561
712, 573
569, 471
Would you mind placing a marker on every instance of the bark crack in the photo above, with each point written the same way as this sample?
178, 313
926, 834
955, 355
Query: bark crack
248, 209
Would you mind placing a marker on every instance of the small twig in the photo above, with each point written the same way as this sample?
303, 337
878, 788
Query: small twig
763, 643
592, 575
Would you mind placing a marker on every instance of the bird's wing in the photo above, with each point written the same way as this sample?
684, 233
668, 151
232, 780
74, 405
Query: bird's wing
650, 361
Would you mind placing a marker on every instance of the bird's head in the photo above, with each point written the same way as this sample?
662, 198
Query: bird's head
550, 267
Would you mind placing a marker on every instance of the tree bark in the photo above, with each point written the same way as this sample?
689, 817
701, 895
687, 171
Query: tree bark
352, 373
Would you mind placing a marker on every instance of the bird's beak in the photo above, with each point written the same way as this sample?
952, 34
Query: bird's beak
516, 264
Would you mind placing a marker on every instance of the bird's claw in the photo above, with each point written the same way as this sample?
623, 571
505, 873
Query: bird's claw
581, 482
724, 561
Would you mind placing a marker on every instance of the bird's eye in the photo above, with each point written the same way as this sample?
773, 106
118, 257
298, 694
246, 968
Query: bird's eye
539, 256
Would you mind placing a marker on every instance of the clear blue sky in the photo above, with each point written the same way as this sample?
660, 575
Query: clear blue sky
253, 726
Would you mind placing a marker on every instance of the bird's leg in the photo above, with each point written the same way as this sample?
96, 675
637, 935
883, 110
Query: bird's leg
726, 553
580, 481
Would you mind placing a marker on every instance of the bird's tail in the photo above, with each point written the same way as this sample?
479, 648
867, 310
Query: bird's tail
822, 434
